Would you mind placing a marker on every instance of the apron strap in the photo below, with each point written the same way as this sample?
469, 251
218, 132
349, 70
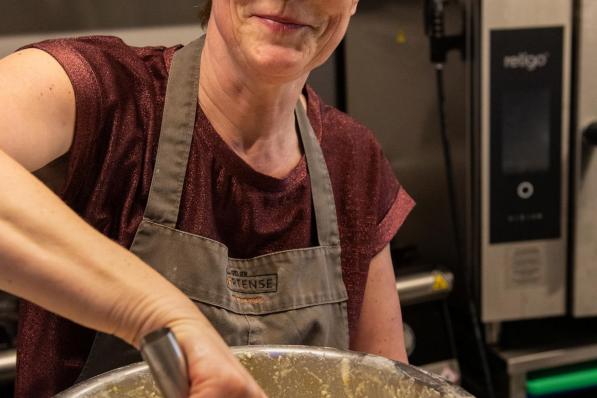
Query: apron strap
174, 145
321, 185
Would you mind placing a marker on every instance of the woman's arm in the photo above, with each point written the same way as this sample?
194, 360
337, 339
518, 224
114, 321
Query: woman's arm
50, 256
37, 108
379, 330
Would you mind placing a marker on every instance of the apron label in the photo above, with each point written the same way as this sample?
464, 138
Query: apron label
240, 282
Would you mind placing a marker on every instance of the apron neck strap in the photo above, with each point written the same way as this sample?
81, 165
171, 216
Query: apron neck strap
321, 185
178, 124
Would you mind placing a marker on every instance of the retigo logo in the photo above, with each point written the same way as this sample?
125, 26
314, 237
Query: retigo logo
524, 60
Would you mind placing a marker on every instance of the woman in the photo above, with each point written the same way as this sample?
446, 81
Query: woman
270, 210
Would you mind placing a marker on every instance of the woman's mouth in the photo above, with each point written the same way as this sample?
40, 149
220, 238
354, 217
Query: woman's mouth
281, 24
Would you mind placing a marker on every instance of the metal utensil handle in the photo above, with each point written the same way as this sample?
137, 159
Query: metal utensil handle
167, 362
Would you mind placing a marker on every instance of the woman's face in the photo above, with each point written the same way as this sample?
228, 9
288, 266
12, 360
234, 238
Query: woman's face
281, 39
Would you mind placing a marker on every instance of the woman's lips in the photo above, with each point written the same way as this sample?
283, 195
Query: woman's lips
281, 24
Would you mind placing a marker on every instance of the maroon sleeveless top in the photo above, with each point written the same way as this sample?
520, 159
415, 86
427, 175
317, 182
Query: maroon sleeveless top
119, 92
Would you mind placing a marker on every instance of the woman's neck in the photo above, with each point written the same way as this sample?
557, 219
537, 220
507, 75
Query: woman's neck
255, 118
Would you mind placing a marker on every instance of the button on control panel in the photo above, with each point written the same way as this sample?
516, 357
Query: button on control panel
525, 190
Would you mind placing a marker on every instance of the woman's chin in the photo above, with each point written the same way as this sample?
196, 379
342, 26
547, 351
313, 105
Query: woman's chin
279, 63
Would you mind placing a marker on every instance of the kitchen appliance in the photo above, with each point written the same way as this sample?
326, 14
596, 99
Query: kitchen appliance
529, 245
584, 181
295, 371
562, 371
532, 236
520, 55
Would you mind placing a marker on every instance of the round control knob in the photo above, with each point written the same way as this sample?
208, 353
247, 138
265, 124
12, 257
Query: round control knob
590, 134
525, 190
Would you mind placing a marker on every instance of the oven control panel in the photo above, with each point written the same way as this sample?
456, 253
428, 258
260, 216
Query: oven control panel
526, 134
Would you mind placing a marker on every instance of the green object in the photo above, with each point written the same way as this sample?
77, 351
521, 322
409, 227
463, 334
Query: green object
568, 380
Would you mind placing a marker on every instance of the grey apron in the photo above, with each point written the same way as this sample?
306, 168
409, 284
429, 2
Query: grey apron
288, 297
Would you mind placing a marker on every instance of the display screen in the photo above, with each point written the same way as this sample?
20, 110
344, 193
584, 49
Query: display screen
525, 131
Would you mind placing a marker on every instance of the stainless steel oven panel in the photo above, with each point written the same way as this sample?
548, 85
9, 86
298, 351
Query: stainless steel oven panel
585, 238
506, 291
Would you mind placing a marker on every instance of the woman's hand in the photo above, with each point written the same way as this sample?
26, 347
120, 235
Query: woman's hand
213, 370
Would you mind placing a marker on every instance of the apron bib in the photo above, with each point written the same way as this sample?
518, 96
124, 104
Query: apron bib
294, 297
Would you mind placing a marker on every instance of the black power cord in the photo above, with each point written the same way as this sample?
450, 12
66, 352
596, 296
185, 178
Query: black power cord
440, 46
448, 164
454, 215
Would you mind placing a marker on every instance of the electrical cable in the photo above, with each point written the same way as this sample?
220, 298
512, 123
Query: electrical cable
441, 97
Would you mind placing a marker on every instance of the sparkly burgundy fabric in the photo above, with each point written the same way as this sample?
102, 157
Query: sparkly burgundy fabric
119, 94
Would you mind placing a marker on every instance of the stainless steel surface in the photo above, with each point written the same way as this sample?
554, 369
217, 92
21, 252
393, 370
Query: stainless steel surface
585, 237
424, 286
8, 364
500, 298
519, 362
523, 361
518, 386
295, 371
167, 363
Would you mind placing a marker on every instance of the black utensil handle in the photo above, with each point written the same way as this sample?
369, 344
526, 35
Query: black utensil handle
590, 134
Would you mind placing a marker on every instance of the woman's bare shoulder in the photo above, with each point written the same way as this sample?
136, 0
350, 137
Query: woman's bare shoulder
37, 108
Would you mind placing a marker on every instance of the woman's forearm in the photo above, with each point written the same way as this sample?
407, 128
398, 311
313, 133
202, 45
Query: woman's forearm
379, 330
50, 256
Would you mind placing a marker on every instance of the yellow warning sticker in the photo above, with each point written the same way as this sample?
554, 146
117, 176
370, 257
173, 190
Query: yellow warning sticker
440, 283
401, 37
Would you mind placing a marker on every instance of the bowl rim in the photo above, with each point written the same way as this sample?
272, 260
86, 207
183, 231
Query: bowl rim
429, 379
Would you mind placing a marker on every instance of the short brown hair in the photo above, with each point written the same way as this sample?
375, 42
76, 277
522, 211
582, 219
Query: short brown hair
204, 11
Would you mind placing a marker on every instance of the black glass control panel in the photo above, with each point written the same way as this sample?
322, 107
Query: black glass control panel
526, 134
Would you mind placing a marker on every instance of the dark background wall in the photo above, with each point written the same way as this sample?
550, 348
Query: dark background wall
26, 16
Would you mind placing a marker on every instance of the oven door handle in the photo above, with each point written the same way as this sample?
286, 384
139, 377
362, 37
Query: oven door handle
590, 134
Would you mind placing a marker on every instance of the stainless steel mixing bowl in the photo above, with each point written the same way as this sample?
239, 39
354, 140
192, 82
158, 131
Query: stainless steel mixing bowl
294, 371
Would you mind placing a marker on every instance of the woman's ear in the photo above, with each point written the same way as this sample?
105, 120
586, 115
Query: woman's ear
355, 3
